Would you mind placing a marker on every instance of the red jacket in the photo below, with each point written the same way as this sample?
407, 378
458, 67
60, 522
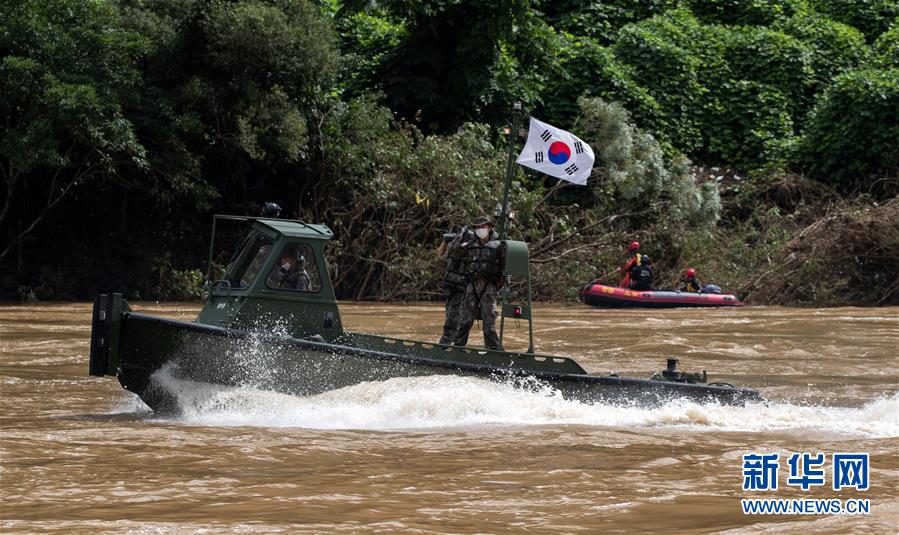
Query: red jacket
631, 262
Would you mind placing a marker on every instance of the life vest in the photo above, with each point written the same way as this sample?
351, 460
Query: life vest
456, 277
485, 260
641, 273
692, 285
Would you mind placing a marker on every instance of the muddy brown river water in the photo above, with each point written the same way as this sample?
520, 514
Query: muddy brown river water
78, 454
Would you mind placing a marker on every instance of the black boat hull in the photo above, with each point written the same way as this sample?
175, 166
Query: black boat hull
207, 354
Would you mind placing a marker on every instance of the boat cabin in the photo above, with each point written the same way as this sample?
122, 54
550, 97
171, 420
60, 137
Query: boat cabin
278, 265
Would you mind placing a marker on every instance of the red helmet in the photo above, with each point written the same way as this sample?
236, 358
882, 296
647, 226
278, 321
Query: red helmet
691, 273
633, 246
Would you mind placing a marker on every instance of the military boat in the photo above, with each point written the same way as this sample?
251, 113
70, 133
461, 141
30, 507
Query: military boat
254, 330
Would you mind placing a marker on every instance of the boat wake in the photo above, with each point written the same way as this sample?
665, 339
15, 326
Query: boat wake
442, 401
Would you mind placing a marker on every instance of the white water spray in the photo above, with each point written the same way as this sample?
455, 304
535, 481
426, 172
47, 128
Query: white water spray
451, 401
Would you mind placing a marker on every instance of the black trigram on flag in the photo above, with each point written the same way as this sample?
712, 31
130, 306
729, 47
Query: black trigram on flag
578, 147
571, 169
545, 136
538, 157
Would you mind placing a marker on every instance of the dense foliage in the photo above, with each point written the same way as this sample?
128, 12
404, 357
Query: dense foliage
128, 122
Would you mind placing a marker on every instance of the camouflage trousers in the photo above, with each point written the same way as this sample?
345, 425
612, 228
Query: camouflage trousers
479, 301
451, 321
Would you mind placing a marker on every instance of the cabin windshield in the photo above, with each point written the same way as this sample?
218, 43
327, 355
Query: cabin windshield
250, 261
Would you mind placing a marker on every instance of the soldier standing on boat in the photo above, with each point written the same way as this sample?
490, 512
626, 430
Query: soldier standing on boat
454, 282
485, 258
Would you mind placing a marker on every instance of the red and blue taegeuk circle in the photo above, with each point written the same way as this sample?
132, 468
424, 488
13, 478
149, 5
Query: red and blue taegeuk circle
559, 153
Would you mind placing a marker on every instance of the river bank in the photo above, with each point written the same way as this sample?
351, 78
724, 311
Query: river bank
785, 241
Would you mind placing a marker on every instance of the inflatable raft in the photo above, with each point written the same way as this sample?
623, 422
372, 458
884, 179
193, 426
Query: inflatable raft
600, 295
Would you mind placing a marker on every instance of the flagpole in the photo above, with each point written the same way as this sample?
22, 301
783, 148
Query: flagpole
503, 217
510, 169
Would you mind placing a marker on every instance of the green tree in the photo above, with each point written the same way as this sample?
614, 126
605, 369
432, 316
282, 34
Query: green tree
228, 86
590, 70
64, 70
744, 12
365, 38
751, 126
771, 58
886, 48
850, 139
458, 60
673, 56
833, 47
600, 21
871, 17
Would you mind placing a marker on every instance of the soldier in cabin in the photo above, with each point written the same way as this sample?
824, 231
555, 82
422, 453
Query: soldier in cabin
291, 271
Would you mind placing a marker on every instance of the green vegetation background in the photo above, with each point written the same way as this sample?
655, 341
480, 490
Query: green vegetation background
755, 140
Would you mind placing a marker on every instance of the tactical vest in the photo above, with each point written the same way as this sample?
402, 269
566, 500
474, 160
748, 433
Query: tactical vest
456, 276
485, 261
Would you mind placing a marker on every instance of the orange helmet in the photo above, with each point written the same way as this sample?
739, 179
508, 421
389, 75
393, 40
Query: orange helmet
691, 273
633, 246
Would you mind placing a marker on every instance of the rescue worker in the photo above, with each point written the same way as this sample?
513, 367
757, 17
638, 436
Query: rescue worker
291, 274
485, 260
637, 270
454, 282
690, 282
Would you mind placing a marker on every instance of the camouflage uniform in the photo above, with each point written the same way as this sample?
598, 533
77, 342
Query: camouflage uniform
479, 301
454, 281
451, 323
485, 267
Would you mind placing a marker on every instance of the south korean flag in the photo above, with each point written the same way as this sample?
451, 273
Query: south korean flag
557, 153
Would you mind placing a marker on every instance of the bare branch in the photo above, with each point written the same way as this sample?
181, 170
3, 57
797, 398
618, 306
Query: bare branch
608, 219
565, 253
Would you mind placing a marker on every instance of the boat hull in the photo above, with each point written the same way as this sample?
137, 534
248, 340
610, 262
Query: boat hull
600, 295
207, 354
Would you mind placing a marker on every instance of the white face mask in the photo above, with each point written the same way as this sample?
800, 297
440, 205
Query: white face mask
482, 232
285, 266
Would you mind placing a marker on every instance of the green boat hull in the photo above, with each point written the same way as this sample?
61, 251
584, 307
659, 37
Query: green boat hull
200, 353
